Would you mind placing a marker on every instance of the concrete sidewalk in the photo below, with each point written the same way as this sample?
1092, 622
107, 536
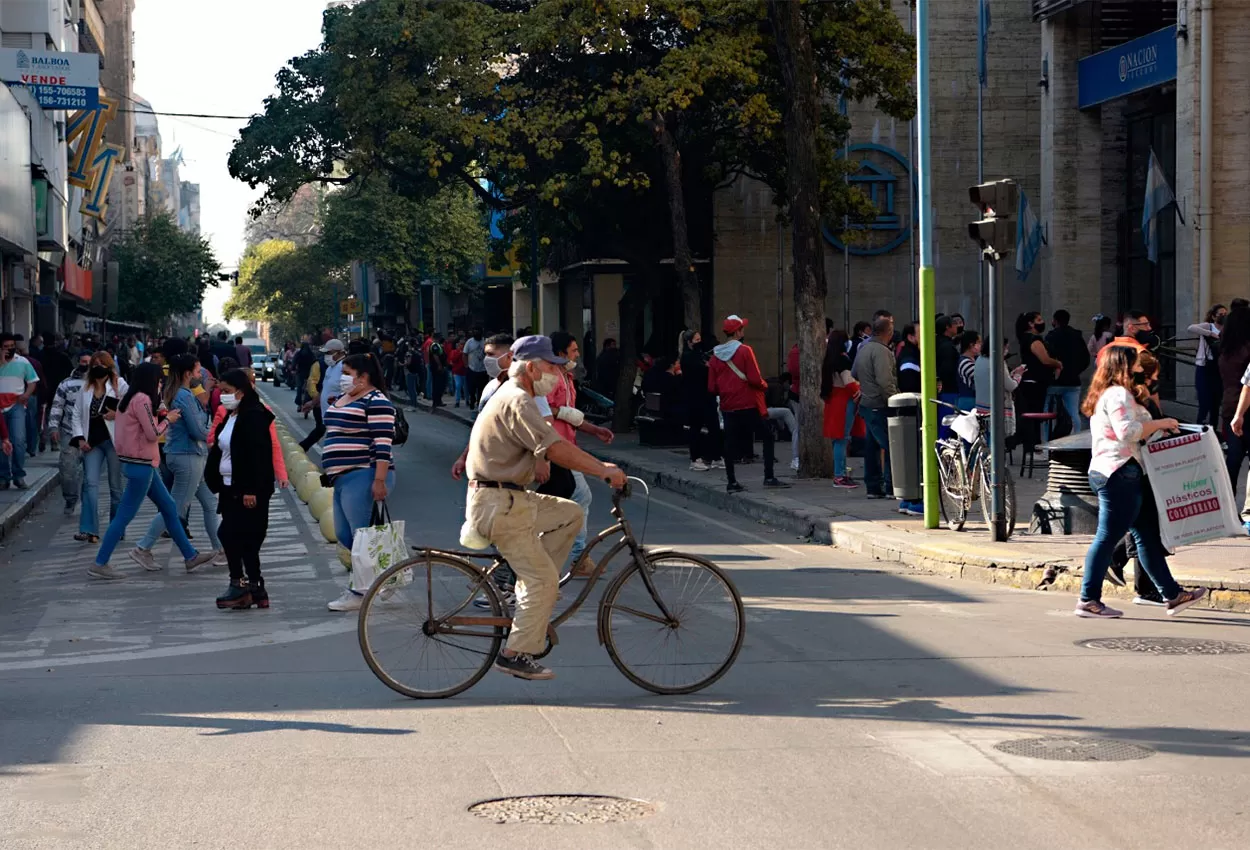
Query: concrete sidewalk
43, 476
846, 519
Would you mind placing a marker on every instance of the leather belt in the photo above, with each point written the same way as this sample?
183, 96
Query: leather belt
478, 484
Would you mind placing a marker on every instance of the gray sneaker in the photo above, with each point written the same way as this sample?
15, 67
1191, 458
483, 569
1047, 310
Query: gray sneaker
1185, 599
199, 560
104, 571
145, 559
1095, 610
523, 666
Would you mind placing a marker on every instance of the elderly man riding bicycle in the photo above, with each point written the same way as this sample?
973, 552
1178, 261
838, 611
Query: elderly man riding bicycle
509, 436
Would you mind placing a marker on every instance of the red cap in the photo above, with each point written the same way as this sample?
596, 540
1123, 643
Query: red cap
733, 324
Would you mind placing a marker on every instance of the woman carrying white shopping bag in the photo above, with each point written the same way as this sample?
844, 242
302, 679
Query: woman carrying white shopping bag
1119, 423
356, 456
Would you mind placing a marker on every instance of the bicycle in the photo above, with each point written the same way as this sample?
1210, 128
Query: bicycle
964, 474
419, 640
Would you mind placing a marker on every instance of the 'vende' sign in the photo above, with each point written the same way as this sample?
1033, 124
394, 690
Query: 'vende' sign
57, 80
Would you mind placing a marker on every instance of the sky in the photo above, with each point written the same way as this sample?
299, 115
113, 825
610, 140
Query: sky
216, 58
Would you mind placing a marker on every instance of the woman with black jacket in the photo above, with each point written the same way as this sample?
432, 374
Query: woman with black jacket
240, 471
705, 449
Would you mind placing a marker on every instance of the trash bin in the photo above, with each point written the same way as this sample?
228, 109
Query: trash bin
903, 426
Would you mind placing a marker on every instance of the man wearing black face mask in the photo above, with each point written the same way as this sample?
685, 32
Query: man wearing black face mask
18, 382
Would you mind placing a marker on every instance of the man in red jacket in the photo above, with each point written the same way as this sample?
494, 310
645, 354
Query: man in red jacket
734, 375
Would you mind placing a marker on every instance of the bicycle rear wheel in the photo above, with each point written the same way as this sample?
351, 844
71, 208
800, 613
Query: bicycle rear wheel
687, 653
404, 649
1009, 499
953, 488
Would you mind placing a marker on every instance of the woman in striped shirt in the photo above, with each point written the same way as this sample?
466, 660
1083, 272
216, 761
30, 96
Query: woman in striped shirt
356, 454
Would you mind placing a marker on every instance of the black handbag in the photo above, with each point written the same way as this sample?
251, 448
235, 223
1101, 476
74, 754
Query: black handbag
560, 484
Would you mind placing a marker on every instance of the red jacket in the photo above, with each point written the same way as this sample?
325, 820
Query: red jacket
792, 366
735, 393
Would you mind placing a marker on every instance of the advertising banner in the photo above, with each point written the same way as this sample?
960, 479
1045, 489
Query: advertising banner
57, 80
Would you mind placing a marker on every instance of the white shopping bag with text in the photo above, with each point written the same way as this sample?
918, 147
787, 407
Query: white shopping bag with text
376, 548
1192, 492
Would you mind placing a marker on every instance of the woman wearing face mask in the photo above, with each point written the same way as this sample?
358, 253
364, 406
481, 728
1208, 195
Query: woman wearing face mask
1120, 422
94, 416
1207, 367
240, 470
1040, 370
360, 426
137, 436
186, 452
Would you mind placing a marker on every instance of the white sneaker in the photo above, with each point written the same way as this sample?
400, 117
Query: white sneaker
144, 558
717, 464
699, 466
220, 559
794, 464
349, 601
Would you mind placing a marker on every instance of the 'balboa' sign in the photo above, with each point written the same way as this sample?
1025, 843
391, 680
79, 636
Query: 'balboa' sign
1130, 67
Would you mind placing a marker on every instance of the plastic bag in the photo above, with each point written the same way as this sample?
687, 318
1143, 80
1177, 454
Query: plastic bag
1193, 495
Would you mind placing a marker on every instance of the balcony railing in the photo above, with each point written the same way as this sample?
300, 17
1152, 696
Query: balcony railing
1043, 9
91, 29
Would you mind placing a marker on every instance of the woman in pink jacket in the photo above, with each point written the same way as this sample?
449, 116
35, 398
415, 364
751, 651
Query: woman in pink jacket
136, 433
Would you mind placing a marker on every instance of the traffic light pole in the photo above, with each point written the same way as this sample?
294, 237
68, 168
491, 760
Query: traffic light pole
998, 407
928, 295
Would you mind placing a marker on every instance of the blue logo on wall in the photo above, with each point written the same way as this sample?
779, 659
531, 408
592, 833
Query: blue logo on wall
881, 174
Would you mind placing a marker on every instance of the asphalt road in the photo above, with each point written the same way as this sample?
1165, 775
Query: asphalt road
864, 711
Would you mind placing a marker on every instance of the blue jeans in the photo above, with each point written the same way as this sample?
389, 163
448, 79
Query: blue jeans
839, 445
189, 484
141, 481
1122, 509
32, 426
1070, 397
93, 463
876, 451
353, 502
581, 495
13, 466
410, 380
462, 387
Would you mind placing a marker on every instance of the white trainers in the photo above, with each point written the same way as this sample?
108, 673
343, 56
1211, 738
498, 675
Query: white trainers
794, 463
220, 559
349, 601
699, 466
145, 559
717, 464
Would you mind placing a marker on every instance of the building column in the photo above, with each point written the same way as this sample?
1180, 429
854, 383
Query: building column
1071, 175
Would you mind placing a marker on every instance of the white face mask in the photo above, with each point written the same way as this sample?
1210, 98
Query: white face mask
230, 402
347, 383
570, 366
492, 366
545, 383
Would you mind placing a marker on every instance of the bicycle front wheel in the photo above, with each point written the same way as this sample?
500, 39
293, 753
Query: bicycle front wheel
399, 628
1009, 499
683, 654
953, 488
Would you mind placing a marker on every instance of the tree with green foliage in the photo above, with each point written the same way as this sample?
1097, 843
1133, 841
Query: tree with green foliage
289, 286
441, 239
163, 271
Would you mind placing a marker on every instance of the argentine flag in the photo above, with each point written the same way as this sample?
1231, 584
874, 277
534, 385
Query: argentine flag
1158, 197
1029, 238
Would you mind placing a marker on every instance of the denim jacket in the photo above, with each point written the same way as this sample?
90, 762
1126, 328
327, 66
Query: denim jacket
189, 435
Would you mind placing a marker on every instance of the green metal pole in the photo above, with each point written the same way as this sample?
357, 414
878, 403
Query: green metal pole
928, 296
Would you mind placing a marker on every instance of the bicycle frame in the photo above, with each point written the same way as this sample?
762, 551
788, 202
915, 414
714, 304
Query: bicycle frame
452, 623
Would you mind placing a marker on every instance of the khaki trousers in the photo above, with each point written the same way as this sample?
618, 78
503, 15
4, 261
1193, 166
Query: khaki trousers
512, 521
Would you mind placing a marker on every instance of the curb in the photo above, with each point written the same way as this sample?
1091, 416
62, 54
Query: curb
972, 561
12, 517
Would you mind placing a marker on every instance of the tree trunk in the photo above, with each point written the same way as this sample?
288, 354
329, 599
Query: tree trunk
802, 103
683, 262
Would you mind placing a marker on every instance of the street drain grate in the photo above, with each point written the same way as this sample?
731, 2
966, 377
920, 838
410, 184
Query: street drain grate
1073, 749
1167, 645
562, 809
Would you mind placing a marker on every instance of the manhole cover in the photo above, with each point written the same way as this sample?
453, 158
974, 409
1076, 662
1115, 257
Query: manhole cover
562, 809
1073, 749
1166, 645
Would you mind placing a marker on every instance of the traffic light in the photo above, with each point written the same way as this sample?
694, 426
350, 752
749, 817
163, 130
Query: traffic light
997, 201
